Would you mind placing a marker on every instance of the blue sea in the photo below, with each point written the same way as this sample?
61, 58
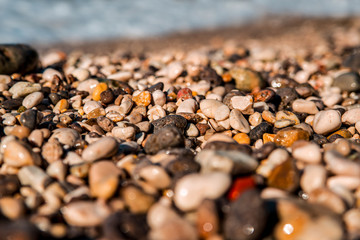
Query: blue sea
50, 21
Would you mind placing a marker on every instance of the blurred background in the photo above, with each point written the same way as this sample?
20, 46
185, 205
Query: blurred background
54, 21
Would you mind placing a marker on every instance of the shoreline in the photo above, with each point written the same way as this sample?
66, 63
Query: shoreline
274, 31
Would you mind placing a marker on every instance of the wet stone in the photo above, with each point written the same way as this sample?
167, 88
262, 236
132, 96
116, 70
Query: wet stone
287, 95
287, 136
107, 96
258, 132
29, 119
284, 176
166, 137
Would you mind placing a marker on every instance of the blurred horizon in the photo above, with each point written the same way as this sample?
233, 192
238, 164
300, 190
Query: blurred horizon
54, 21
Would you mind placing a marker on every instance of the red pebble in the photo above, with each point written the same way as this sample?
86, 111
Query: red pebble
239, 186
184, 93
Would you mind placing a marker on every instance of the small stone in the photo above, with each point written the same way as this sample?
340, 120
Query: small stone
174, 120
255, 119
352, 222
184, 93
187, 106
17, 154
57, 170
347, 81
66, 136
214, 109
327, 198
29, 119
20, 132
107, 96
246, 79
191, 130
287, 95
33, 99
304, 106
9, 184
142, 99
124, 133
238, 122
156, 176
284, 176
247, 217
97, 112
85, 213
156, 112
287, 115
159, 97
101, 87
243, 103
17, 58
287, 136
35, 177
340, 165
306, 152
258, 131
313, 177
283, 123
268, 116
233, 162
103, 179
12, 104
351, 116
136, 200
51, 151
89, 106
103, 148
242, 138
264, 95
22, 89
105, 123
342, 132
61, 106
12, 208
50, 73
121, 76
207, 220
166, 137
192, 189
81, 74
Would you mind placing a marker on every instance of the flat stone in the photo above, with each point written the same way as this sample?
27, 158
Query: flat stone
348, 81
238, 122
22, 89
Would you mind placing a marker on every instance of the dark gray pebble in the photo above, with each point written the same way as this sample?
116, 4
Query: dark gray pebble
170, 120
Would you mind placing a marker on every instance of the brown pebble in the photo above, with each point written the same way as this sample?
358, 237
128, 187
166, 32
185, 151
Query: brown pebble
287, 136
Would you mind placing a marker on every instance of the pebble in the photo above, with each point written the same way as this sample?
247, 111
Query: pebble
191, 130
246, 216
214, 109
124, 133
326, 121
17, 58
156, 176
50, 73
255, 119
66, 136
306, 152
284, 176
20, 132
101, 87
313, 177
85, 213
327, 198
246, 79
136, 200
242, 138
33, 99
166, 137
12, 208
22, 89
288, 136
352, 222
121, 76
89, 106
87, 85
187, 106
35, 177
51, 151
210, 186
238, 122
102, 148
243, 103
340, 165
17, 154
107, 96
158, 97
174, 120
258, 131
304, 106
233, 162
103, 179
81, 74
9, 184
351, 116
57, 170
142, 99
347, 81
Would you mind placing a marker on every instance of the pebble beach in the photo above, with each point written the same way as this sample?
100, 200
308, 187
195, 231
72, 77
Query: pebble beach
235, 133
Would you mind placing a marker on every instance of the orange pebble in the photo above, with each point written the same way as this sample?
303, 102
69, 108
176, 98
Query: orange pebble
226, 77
98, 90
268, 137
242, 138
142, 99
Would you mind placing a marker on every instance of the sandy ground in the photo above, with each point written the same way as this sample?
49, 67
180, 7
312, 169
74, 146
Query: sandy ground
272, 32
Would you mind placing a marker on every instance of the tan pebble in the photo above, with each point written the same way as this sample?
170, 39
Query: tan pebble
351, 116
155, 113
255, 119
66, 136
17, 154
238, 122
325, 197
159, 97
81, 74
187, 106
61, 106
89, 106
12, 208
102, 148
124, 133
20, 132
283, 123
313, 177
281, 115
306, 152
268, 116
121, 76
8, 119
136, 200
49, 74
243, 103
352, 221
126, 104
156, 176
21, 89
52, 151
340, 165
35, 177
36, 137
343, 146
192, 189
192, 131
98, 112
103, 179
57, 170
214, 109
33, 99
304, 106
348, 182
326, 121
85, 213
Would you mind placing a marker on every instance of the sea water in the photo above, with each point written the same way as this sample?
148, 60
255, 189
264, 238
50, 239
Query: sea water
48, 21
